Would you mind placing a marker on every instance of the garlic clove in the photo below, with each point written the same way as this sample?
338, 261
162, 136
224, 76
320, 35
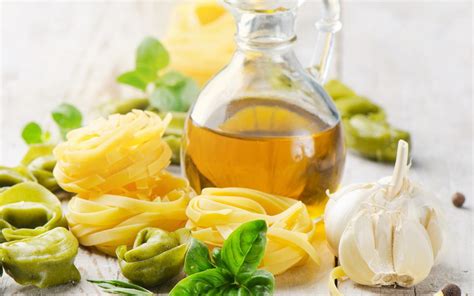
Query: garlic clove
384, 249
412, 252
364, 232
355, 250
369, 237
435, 232
341, 207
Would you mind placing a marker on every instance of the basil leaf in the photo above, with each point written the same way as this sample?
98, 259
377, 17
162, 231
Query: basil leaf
236, 272
202, 282
184, 90
197, 258
216, 257
178, 98
164, 99
260, 282
32, 133
133, 78
67, 117
244, 248
151, 56
148, 74
230, 290
172, 78
188, 93
121, 288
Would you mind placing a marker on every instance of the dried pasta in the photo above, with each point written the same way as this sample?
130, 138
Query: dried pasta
215, 213
116, 166
122, 155
200, 39
108, 221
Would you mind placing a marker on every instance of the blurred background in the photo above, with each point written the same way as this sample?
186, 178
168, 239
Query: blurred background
414, 58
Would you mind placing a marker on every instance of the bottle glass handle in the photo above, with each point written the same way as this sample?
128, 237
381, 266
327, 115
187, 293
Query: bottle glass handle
327, 28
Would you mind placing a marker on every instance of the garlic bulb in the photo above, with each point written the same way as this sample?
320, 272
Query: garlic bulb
385, 233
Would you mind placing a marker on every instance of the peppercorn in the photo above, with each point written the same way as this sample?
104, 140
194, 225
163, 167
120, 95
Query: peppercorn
458, 199
451, 290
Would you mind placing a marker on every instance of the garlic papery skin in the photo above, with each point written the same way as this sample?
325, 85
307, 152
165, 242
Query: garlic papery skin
387, 232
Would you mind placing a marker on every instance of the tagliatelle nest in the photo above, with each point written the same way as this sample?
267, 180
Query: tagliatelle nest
108, 221
123, 155
217, 212
200, 39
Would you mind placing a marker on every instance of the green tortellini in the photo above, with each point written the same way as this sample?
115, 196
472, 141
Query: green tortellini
37, 165
45, 260
366, 129
174, 142
174, 133
40, 162
372, 138
36, 247
28, 209
12, 176
156, 256
351, 106
337, 90
124, 106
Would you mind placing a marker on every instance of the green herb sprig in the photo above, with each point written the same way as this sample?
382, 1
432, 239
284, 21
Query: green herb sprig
33, 134
66, 116
168, 91
121, 288
230, 270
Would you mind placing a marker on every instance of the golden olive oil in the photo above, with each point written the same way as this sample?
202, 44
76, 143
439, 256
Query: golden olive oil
268, 145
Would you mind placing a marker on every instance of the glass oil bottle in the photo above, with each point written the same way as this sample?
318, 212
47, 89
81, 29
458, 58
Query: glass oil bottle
265, 122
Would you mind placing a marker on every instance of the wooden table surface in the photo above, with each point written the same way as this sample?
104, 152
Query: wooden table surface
412, 57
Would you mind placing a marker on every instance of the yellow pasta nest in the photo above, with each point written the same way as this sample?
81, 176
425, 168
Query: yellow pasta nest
123, 155
200, 39
108, 221
215, 213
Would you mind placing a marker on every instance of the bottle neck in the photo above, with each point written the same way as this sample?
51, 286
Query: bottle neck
265, 31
